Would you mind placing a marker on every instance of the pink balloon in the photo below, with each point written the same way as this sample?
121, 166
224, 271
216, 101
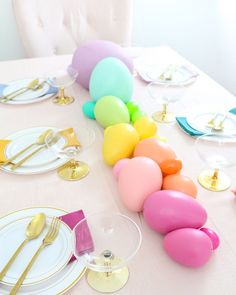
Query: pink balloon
188, 246
139, 178
213, 236
89, 54
168, 210
118, 166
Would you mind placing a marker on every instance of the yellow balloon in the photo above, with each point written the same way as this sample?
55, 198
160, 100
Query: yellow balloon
146, 127
119, 142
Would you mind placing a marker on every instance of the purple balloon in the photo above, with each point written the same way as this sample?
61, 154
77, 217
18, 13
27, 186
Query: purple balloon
89, 54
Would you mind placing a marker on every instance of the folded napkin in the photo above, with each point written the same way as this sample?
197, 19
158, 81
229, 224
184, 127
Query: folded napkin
51, 90
85, 244
3, 145
182, 121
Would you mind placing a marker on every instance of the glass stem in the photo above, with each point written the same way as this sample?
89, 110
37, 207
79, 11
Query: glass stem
215, 175
164, 111
214, 178
62, 92
73, 163
108, 263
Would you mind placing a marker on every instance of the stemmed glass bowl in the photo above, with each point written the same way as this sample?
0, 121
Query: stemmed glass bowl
71, 145
218, 151
62, 78
106, 242
165, 94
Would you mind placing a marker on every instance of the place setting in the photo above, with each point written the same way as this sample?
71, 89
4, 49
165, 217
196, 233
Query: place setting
42, 149
37, 251
207, 119
47, 250
171, 74
26, 91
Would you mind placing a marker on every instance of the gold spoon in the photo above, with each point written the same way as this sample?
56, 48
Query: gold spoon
40, 141
33, 230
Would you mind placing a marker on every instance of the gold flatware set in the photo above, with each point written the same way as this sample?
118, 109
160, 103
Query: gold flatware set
167, 74
33, 231
214, 125
33, 85
38, 146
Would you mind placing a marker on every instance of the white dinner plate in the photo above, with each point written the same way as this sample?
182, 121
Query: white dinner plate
58, 280
30, 96
44, 161
199, 121
181, 75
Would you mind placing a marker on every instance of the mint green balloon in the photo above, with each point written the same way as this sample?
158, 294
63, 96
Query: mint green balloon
110, 110
111, 77
88, 109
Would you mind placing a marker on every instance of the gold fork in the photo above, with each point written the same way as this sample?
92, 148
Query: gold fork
48, 240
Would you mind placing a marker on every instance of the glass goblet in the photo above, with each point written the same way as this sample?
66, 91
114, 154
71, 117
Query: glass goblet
68, 145
165, 94
106, 242
218, 151
61, 79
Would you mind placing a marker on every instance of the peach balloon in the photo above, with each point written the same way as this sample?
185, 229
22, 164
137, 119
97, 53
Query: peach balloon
154, 149
180, 183
118, 166
138, 178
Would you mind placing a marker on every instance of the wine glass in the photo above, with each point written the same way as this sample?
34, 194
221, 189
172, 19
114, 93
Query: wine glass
165, 93
218, 151
106, 242
61, 79
70, 145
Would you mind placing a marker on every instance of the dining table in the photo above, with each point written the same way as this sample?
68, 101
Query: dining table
151, 270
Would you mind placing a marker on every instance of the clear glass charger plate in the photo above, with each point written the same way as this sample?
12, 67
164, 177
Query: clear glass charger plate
198, 120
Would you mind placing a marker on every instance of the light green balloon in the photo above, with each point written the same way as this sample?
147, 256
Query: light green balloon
136, 115
110, 110
111, 77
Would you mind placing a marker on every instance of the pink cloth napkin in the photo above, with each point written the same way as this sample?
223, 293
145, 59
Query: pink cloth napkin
84, 242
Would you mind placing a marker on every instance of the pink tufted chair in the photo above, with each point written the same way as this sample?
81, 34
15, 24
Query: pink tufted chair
49, 27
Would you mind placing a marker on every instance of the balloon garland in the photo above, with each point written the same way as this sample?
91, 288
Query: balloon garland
146, 168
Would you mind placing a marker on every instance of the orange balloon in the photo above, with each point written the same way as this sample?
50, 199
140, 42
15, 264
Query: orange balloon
178, 182
171, 166
155, 149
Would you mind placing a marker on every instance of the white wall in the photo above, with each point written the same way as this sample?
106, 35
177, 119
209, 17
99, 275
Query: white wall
204, 31
10, 46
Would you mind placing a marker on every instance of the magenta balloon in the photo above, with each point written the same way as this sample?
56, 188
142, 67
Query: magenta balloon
213, 236
168, 210
89, 54
188, 246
